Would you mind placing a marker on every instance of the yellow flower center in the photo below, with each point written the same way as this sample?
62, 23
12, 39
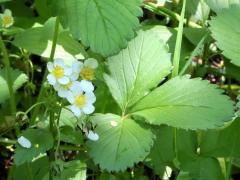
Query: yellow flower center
58, 72
87, 73
80, 100
7, 20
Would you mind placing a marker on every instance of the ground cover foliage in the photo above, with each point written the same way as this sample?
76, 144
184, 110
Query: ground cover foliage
115, 89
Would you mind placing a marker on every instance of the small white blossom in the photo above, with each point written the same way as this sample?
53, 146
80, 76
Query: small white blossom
92, 135
82, 98
76, 67
24, 142
59, 72
87, 71
6, 18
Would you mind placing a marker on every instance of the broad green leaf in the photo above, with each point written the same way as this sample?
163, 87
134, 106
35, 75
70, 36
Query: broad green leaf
67, 118
38, 40
137, 69
73, 170
185, 103
238, 106
224, 28
41, 141
122, 142
19, 79
104, 25
197, 10
203, 168
194, 35
32, 170
168, 35
1, 1
162, 152
70, 135
222, 143
218, 5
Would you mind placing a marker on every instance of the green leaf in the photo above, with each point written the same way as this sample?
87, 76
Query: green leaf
238, 106
1, 1
70, 135
224, 28
197, 10
122, 142
185, 103
41, 141
137, 69
104, 25
73, 170
218, 5
222, 143
38, 40
162, 152
18, 78
32, 170
203, 168
67, 118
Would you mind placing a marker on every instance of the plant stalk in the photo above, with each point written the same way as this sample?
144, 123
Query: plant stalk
177, 51
54, 44
8, 76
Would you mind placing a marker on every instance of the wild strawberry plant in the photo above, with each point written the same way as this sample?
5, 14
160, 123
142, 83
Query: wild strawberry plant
114, 89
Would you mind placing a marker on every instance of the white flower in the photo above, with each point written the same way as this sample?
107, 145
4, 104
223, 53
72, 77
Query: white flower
6, 18
82, 98
64, 90
76, 67
59, 72
88, 69
92, 136
24, 142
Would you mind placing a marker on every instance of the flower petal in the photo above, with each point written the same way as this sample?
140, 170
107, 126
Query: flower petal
76, 111
92, 63
51, 79
76, 88
86, 86
67, 71
76, 66
63, 93
91, 98
88, 109
64, 80
70, 97
24, 142
92, 136
50, 66
8, 12
59, 62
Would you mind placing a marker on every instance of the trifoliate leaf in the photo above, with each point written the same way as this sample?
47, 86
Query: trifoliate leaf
122, 142
137, 69
185, 103
104, 25
18, 78
222, 143
38, 40
224, 28
218, 5
41, 141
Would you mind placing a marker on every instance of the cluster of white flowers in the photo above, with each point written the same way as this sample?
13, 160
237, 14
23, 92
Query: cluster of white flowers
6, 18
65, 80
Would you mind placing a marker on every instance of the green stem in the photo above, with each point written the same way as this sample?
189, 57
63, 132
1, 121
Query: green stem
229, 169
54, 44
7, 141
166, 12
8, 75
177, 51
